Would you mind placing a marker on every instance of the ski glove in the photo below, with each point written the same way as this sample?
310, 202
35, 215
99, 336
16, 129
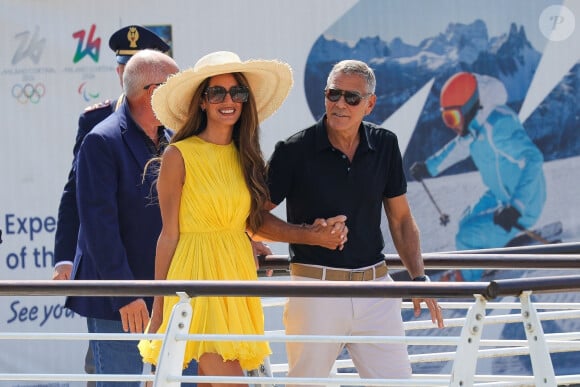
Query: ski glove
506, 217
419, 171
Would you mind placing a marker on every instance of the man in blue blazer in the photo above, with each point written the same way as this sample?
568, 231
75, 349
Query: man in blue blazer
125, 42
119, 218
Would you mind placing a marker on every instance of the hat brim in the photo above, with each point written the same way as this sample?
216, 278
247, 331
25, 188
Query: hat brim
270, 83
123, 59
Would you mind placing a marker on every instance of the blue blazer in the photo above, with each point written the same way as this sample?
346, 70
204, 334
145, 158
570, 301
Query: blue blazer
67, 225
118, 212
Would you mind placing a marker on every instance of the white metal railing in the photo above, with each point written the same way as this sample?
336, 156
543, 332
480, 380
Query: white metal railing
469, 347
466, 349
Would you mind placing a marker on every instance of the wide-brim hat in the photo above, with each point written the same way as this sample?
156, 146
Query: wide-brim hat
270, 82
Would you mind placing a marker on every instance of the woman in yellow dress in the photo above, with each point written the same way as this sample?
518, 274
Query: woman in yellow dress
211, 190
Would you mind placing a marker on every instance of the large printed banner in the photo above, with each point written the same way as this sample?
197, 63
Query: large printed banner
56, 61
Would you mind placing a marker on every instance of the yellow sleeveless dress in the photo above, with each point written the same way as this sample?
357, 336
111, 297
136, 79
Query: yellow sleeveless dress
215, 204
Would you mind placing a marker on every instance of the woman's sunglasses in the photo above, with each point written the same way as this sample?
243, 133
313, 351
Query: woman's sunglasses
352, 98
217, 94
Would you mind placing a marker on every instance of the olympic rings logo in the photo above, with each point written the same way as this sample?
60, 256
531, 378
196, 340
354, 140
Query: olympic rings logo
28, 92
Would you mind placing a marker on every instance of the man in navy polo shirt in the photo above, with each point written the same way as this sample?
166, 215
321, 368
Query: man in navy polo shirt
342, 165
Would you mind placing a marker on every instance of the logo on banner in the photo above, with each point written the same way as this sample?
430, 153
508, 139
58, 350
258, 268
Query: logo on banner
87, 95
30, 46
557, 23
28, 92
92, 46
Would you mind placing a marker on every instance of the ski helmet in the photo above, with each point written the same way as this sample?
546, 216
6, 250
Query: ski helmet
460, 89
459, 101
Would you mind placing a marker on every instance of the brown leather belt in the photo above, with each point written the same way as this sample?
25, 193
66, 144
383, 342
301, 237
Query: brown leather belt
328, 274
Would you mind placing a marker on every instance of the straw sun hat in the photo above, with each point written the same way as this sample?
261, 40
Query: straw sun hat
270, 82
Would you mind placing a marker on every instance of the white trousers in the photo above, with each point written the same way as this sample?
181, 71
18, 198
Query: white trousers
346, 316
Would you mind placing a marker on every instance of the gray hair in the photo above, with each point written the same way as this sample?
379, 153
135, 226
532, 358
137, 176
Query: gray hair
354, 67
144, 68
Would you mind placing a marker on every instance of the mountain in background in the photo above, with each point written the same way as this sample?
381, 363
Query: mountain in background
402, 69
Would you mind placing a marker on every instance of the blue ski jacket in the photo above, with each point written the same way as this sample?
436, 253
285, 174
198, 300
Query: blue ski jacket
509, 162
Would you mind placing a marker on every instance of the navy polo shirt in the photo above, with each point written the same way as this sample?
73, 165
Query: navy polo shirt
319, 181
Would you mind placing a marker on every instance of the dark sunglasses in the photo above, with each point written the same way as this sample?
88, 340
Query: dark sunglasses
217, 94
352, 98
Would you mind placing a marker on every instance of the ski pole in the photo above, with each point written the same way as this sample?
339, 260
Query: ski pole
532, 234
443, 218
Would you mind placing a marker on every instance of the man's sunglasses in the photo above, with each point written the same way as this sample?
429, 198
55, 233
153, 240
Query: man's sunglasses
352, 98
217, 94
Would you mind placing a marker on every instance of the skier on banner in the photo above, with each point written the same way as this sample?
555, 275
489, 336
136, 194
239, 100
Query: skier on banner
510, 164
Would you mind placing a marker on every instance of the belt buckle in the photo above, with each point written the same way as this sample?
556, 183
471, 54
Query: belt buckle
355, 272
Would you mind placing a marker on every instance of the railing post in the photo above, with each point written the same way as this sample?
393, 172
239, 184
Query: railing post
172, 351
539, 353
264, 371
465, 363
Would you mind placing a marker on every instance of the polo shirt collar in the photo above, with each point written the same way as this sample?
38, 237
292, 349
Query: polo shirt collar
322, 142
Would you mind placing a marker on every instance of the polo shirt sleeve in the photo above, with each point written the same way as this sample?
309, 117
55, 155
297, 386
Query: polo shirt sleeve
279, 177
396, 183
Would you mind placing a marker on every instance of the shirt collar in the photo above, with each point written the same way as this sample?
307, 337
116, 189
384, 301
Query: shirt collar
322, 142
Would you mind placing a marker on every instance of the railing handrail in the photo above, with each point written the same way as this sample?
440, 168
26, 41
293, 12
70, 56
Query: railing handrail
241, 288
463, 372
552, 256
553, 248
400, 289
461, 261
538, 346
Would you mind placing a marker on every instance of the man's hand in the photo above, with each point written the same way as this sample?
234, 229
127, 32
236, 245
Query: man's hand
331, 232
419, 171
135, 316
506, 217
62, 271
434, 309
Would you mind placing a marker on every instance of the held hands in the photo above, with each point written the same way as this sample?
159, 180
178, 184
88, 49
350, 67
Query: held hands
419, 171
135, 316
330, 233
506, 217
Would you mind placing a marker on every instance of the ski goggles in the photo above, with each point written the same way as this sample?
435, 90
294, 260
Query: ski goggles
217, 94
454, 116
352, 98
